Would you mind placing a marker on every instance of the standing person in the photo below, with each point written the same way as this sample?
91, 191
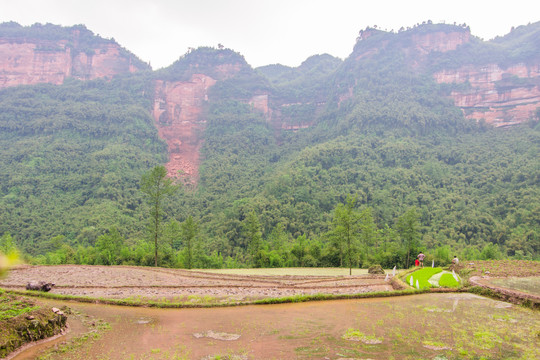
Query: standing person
421, 257
455, 260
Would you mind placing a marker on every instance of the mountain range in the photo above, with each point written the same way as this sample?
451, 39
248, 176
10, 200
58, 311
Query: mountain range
429, 117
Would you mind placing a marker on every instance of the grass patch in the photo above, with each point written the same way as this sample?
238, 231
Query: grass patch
422, 276
448, 280
11, 307
357, 335
160, 304
486, 340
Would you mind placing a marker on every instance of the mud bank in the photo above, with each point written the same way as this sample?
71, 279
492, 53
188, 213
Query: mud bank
38, 323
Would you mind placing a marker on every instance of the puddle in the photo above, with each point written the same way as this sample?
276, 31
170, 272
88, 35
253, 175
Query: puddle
460, 324
502, 305
217, 335
143, 321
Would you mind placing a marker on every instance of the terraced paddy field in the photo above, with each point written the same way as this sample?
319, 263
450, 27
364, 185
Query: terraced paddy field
434, 326
192, 287
426, 326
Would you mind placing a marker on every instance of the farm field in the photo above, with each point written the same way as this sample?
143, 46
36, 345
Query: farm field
290, 271
529, 285
191, 287
503, 268
427, 326
512, 279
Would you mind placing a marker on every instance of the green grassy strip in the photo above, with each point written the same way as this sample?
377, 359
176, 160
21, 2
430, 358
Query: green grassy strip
422, 275
282, 300
448, 280
8, 313
321, 297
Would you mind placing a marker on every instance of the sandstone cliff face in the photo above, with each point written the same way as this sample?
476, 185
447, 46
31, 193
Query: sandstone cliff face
440, 41
502, 97
179, 114
414, 44
31, 62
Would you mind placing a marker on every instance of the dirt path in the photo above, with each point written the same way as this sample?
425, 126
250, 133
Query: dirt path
119, 282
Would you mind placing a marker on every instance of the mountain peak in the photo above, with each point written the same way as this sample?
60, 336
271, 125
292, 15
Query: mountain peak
217, 63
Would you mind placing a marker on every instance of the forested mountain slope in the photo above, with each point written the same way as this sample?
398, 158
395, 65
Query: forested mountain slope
273, 152
72, 157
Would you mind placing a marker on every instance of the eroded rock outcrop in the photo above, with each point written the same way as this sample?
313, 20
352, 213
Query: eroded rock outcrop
440, 41
416, 43
502, 97
178, 109
28, 60
181, 99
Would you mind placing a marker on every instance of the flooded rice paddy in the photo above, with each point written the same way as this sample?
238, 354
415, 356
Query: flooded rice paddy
428, 326
529, 285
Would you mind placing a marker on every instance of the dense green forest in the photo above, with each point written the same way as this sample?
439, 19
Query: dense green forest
72, 157
386, 152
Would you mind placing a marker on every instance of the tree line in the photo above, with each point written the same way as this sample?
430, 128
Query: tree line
352, 239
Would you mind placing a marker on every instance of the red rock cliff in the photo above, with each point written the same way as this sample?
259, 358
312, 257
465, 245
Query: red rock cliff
27, 62
180, 117
501, 97
178, 109
416, 44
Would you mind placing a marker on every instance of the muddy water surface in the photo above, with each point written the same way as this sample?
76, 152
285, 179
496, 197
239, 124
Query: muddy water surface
443, 326
530, 285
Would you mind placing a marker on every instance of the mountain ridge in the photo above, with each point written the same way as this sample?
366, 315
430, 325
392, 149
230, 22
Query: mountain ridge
288, 144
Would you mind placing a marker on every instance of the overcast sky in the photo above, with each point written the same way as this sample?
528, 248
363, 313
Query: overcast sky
263, 31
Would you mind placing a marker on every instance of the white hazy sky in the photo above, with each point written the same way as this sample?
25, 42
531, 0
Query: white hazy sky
263, 31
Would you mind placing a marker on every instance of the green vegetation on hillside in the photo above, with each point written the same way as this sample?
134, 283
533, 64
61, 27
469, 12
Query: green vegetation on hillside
71, 161
204, 60
380, 133
305, 83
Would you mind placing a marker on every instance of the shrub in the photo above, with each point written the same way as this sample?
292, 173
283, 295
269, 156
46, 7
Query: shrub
375, 269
